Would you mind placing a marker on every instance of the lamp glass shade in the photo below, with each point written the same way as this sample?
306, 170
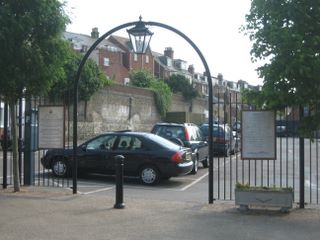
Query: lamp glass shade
140, 37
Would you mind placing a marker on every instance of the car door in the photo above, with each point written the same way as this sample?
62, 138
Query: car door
202, 144
97, 153
134, 152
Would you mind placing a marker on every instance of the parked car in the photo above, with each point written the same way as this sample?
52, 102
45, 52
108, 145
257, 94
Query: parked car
225, 141
9, 142
147, 156
236, 126
9, 139
187, 135
281, 130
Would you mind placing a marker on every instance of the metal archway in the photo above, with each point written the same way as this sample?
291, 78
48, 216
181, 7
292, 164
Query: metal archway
210, 101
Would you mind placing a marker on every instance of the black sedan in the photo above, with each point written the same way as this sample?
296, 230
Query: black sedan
148, 156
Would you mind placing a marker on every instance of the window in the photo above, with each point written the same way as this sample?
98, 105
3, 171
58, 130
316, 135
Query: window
112, 49
135, 57
129, 143
106, 62
126, 81
147, 58
102, 143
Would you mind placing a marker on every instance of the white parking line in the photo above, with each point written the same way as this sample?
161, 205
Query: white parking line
92, 185
95, 185
96, 191
194, 182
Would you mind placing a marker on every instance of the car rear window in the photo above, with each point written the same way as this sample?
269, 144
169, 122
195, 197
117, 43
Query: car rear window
217, 131
170, 132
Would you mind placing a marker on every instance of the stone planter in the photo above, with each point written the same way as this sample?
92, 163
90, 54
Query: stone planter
282, 198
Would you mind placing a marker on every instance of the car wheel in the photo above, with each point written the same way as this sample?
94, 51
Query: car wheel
227, 152
232, 151
60, 168
205, 163
149, 175
195, 165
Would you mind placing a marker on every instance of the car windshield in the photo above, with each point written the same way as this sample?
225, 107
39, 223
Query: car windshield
162, 141
217, 130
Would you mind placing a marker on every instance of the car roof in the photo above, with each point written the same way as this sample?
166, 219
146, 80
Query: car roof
174, 124
127, 132
215, 125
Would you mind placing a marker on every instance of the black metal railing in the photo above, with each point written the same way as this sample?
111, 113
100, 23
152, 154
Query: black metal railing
227, 170
282, 172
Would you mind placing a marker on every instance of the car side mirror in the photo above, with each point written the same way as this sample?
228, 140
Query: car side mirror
84, 148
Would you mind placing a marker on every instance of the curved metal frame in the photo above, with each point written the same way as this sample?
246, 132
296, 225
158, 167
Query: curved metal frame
75, 106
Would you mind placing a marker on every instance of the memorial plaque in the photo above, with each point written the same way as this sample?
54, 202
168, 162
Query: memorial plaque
51, 127
258, 135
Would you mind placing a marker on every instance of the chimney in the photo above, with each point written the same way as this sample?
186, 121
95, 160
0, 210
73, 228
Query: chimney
191, 69
168, 52
220, 78
95, 33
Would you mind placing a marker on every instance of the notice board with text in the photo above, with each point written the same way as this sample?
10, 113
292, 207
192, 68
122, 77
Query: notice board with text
258, 135
51, 127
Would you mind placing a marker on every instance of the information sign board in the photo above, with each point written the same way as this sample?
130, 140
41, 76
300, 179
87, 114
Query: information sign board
258, 135
51, 127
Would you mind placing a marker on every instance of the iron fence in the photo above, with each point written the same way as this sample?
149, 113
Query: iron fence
282, 172
227, 170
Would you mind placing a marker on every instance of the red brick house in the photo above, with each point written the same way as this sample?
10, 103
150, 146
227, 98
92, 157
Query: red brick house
132, 61
116, 58
114, 55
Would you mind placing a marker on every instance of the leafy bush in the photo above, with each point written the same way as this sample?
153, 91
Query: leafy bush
246, 186
163, 96
179, 83
162, 92
141, 78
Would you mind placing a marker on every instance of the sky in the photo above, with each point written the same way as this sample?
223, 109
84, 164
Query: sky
213, 25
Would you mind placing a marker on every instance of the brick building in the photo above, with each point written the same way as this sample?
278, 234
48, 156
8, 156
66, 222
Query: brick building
113, 55
116, 58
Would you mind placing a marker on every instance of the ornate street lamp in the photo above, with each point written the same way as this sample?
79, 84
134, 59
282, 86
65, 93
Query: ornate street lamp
140, 37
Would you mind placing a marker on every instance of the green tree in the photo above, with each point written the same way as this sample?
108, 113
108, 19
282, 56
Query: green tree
31, 53
91, 79
286, 33
253, 97
180, 84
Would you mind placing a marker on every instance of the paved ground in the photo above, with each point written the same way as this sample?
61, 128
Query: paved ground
52, 213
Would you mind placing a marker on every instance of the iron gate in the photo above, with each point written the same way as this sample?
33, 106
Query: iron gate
31, 171
282, 172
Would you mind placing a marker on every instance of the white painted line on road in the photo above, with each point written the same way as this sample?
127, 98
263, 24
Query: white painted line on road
187, 178
194, 182
96, 191
92, 185
313, 186
56, 184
